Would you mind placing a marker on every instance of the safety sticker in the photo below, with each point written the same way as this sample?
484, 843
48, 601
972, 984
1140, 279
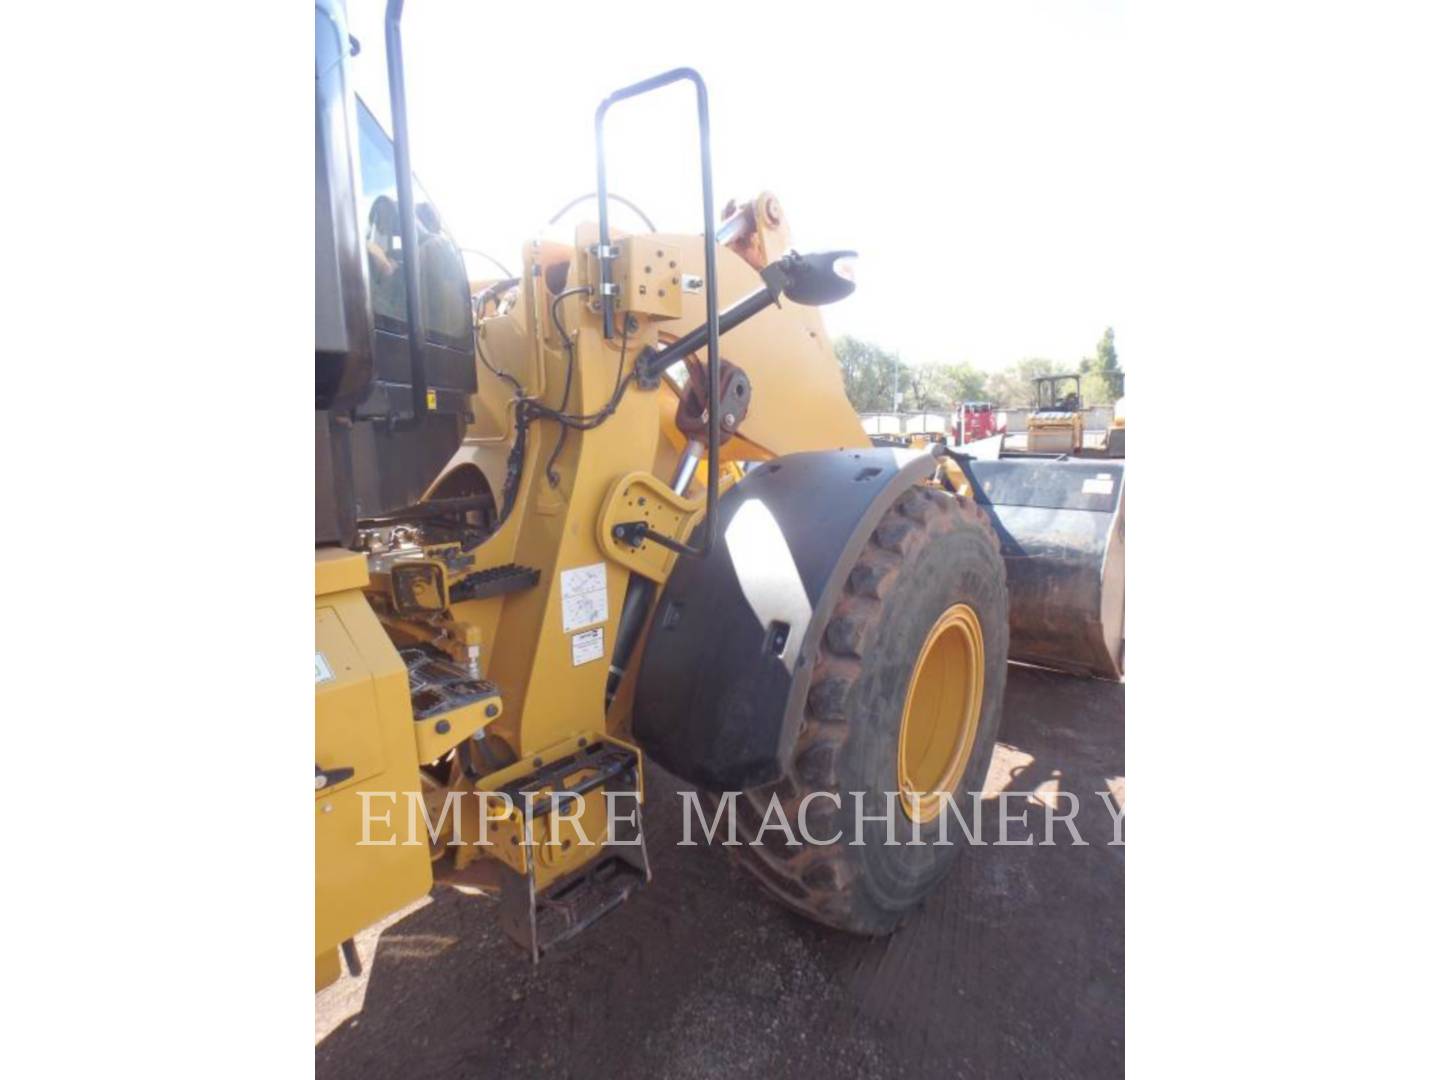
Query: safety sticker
1098, 485
586, 646
322, 669
582, 597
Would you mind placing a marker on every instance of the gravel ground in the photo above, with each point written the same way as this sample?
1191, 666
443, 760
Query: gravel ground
1013, 967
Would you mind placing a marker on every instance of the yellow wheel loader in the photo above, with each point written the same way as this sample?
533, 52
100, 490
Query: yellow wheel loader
616, 509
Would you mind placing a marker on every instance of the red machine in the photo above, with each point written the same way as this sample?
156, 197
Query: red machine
975, 420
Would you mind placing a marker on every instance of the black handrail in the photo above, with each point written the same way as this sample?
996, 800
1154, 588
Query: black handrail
712, 315
409, 236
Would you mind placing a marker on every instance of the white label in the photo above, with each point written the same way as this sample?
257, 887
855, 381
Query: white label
586, 646
322, 669
582, 597
1098, 485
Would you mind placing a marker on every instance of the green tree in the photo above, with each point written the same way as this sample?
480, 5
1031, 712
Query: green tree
869, 373
923, 388
1103, 381
1014, 388
872, 375
940, 387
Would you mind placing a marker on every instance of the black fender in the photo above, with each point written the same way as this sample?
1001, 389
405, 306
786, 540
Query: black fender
726, 668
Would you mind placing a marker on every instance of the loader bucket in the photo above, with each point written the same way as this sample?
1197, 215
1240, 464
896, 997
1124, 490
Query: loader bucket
1061, 524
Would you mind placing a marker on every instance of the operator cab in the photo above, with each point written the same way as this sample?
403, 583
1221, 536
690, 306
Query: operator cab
1057, 393
392, 399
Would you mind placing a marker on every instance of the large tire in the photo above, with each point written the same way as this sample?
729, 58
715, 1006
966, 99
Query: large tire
930, 551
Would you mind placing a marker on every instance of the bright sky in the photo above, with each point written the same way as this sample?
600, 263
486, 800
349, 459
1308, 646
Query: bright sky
972, 161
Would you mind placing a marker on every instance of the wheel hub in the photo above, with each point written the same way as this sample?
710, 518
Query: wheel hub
942, 712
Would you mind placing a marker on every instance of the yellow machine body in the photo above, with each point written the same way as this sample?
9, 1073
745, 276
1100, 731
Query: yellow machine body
478, 651
1055, 432
362, 724
786, 351
546, 648
799, 403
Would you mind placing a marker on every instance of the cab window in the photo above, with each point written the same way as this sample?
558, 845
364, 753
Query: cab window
444, 284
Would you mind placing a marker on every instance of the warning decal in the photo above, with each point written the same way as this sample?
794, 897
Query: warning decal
582, 597
586, 646
322, 669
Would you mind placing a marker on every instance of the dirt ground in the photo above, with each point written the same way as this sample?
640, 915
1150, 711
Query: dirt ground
1014, 967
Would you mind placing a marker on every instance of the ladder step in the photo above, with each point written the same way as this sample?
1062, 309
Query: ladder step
538, 921
538, 917
438, 684
494, 582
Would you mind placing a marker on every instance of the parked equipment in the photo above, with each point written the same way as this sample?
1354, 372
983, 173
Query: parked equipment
1057, 425
1115, 436
974, 420
615, 506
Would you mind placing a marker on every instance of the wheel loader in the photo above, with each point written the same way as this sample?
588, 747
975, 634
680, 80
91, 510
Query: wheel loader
616, 510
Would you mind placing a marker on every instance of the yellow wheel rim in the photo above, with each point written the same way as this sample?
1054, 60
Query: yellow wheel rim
942, 712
